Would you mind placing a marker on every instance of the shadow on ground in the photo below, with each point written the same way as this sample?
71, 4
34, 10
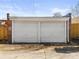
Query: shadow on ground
67, 49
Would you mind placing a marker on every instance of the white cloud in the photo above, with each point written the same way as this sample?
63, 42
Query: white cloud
62, 11
13, 10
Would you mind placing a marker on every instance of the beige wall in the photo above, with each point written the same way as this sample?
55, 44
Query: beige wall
75, 27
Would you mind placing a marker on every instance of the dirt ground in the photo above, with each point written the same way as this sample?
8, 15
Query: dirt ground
38, 51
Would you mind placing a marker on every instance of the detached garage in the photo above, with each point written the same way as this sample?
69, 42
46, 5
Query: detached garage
40, 30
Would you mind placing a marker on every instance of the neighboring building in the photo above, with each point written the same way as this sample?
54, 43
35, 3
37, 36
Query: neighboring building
75, 27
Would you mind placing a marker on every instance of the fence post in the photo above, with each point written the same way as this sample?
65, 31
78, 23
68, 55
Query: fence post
9, 22
8, 16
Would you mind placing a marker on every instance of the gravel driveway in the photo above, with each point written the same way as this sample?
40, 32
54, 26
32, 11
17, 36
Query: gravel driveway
36, 51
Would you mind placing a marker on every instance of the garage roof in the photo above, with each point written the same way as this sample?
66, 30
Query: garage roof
40, 18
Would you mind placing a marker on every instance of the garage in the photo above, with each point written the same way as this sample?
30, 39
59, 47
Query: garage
40, 30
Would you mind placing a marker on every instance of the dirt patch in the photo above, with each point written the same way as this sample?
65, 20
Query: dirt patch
22, 47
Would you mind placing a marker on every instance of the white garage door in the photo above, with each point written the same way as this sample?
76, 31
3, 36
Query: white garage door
32, 32
53, 32
24, 32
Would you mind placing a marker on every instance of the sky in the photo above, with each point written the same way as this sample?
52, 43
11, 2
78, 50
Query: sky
35, 7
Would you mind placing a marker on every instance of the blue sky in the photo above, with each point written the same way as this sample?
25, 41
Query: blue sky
35, 7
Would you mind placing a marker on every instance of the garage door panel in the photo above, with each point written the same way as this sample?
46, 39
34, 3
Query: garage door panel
53, 32
24, 32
